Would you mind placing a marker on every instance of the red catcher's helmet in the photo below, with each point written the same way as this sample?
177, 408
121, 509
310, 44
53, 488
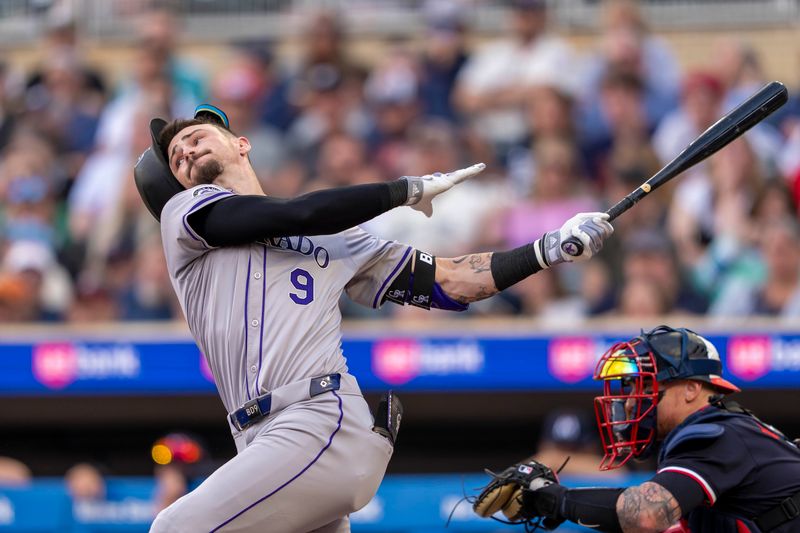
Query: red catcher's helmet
631, 372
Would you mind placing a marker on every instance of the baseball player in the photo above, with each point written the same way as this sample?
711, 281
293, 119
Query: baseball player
720, 469
259, 280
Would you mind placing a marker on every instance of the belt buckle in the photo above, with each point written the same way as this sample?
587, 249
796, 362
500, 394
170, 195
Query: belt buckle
247, 414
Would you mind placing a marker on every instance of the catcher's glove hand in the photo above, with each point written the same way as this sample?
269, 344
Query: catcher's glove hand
504, 492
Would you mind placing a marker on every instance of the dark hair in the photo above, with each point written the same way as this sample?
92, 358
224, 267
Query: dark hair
620, 79
172, 128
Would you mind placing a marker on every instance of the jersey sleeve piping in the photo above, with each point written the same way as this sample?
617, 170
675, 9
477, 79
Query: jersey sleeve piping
385, 285
707, 489
193, 209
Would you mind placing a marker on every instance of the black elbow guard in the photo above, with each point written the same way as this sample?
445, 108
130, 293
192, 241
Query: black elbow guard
415, 283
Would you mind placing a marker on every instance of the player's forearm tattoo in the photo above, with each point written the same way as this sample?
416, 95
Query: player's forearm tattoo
647, 508
467, 278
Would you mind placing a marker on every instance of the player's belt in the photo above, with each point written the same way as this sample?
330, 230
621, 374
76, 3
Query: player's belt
273, 401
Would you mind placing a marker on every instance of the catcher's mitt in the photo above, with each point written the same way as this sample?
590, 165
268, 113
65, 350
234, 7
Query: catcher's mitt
504, 492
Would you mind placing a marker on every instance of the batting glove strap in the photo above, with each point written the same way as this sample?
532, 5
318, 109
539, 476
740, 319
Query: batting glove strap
416, 188
548, 249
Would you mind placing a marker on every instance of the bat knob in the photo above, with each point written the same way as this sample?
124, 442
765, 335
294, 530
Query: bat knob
572, 247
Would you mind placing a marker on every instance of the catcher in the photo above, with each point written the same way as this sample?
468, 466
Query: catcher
720, 469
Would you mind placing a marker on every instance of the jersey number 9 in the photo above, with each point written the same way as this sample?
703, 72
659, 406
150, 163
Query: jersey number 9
304, 283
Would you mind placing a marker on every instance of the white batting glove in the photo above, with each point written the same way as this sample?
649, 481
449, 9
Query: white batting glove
422, 189
591, 229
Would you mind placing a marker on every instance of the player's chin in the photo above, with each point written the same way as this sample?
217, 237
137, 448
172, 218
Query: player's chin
205, 172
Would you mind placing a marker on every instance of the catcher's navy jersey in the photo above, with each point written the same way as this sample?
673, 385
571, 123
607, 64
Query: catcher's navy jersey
267, 314
743, 467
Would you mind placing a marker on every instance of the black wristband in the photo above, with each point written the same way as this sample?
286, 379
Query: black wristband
398, 192
515, 265
596, 508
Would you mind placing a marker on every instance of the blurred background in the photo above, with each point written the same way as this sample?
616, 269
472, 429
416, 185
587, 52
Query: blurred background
107, 410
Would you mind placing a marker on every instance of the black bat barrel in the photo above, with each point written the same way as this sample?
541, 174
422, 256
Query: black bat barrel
720, 134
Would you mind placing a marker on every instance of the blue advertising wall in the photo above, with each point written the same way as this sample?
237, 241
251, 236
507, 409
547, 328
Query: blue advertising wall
412, 363
404, 504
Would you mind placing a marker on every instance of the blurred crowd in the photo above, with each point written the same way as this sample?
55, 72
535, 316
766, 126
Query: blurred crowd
560, 131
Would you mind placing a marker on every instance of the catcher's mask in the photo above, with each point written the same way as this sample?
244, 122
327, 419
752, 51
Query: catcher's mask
631, 372
154, 179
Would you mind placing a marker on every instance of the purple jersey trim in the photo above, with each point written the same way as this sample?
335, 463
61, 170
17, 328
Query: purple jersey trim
246, 298
309, 465
263, 303
440, 300
194, 208
390, 277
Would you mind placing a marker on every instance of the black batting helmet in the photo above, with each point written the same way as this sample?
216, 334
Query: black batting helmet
154, 179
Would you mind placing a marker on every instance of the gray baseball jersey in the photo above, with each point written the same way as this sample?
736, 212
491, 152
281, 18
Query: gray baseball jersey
266, 315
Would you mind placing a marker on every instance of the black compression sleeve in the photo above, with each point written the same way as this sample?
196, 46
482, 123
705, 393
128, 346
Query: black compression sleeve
686, 491
240, 220
596, 508
513, 266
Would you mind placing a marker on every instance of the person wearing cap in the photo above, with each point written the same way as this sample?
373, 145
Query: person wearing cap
259, 280
496, 81
720, 469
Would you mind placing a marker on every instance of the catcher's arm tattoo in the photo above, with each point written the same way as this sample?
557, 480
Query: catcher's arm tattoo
467, 278
647, 508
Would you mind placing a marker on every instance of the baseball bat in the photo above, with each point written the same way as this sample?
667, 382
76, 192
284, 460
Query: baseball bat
752, 111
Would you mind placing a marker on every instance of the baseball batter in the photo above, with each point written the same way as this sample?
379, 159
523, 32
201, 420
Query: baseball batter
259, 280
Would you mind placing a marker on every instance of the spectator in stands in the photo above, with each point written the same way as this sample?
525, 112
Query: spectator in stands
63, 109
546, 298
327, 107
714, 215
777, 292
341, 158
549, 113
642, 298
16, 303
494, 84
239, 91
570, 434
649, 256
559, 190
627, 46
392, 92
101, 215
738, 66
85, 483
29, 208
14, 473
147, 295
8, 115
275, 110
623, 120
435, 145
629, 165
444, 56
48, 288
93, 303
159, 31
325, 43
701, 105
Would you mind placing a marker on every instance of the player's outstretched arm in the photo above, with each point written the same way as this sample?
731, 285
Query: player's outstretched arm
474, 277
238, 220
